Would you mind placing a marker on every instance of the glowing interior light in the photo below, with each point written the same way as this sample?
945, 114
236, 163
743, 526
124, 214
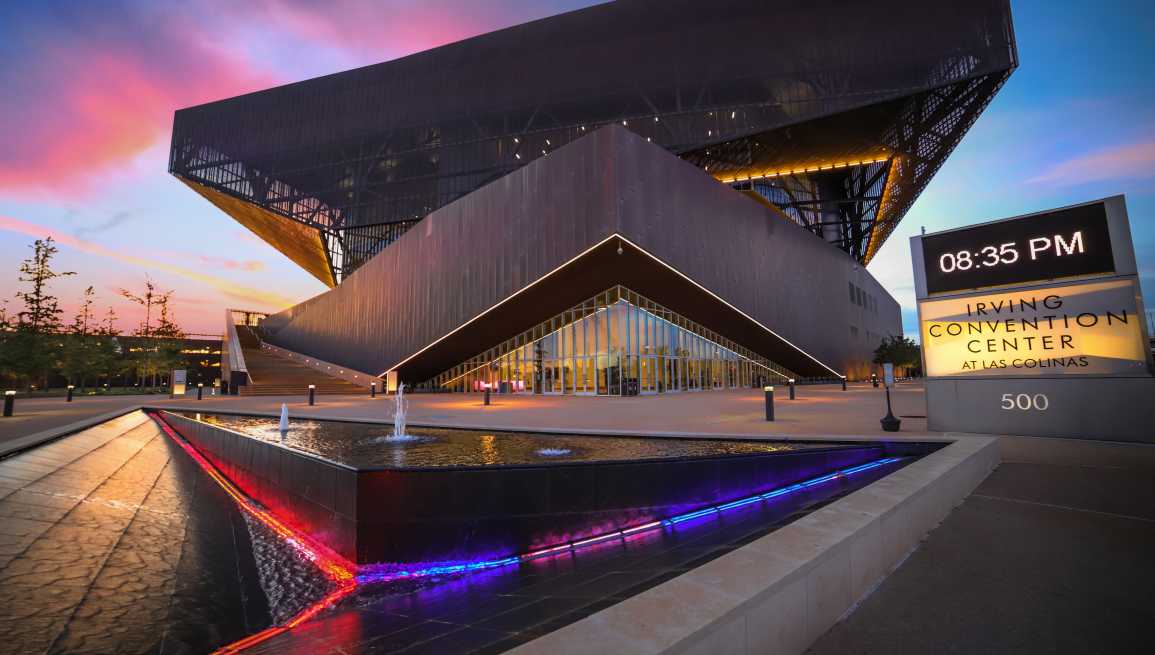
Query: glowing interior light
793, 171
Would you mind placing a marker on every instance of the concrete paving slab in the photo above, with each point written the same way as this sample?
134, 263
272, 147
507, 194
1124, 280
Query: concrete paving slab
1051, 554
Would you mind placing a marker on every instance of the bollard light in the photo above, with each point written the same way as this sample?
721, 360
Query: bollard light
890, 422
843, 383
486, 394
200, 390
791, 388
769, 391
69, 398
372, 389
312, 394
9, 402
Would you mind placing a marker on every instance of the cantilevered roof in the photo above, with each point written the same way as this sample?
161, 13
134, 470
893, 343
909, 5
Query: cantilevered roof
607, 209
837, 112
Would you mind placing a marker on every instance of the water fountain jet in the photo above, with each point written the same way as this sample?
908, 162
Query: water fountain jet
284, 426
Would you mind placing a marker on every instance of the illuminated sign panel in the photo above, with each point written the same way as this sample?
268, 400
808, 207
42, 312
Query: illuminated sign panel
1090, 328
1057, 244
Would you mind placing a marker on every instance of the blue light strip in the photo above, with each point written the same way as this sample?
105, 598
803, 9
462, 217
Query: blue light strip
449, 569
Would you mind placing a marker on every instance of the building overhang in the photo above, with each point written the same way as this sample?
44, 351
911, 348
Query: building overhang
614, 260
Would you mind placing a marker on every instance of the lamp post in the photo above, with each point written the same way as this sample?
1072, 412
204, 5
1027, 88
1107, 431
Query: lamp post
769, 391
890, 423
312, 394
9, 401
791, 388
200, 390
68, 399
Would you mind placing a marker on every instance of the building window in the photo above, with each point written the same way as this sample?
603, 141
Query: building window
617, 343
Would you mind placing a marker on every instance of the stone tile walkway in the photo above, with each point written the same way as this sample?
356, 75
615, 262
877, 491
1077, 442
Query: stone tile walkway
35, 416
113, 541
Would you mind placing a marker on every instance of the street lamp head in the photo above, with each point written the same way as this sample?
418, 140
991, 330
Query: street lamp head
312, 386
768, 388
200, 384
71, 386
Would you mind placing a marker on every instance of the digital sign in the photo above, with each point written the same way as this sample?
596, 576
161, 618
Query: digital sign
1084, 328
1057, 244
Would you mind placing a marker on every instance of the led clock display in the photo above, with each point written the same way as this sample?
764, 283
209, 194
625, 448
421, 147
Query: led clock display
1062, 243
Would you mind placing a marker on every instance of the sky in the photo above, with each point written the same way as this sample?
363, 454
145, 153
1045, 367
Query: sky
90, 90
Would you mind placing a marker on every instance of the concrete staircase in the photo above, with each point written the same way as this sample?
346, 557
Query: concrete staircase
273, 375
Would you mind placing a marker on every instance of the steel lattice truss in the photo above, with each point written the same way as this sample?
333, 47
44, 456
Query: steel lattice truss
837, 131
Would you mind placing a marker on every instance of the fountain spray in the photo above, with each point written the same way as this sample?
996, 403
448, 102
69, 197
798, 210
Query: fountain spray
284, 420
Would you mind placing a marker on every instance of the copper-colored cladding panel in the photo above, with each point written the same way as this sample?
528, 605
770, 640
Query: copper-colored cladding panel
298, 242
592, 273
478, 252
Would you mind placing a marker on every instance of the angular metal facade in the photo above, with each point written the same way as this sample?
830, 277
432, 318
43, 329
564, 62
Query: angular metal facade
835, 112
608, 209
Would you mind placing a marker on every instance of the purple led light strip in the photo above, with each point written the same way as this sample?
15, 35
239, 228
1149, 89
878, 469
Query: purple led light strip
369, 577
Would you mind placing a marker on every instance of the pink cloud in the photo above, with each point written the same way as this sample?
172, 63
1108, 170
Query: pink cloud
85, 99
1130, 161
91, 86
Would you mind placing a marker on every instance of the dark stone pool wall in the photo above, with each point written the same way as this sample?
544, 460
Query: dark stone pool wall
469, 513
490, 512
311, 495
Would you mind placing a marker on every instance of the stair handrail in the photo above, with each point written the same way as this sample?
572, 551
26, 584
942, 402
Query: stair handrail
236, 355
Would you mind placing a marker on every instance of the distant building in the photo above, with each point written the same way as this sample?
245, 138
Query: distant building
639, 197
202, 354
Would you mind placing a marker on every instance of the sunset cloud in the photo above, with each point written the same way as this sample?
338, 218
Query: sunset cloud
251, 297
1124, 162
250, 265
90, 88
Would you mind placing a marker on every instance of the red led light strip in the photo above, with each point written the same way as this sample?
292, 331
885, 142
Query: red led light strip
342, 572
334, 567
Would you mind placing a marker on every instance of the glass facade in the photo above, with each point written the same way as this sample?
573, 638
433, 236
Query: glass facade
616, 343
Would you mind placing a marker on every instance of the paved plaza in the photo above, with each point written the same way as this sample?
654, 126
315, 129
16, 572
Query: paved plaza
42, 416
817, 411
100, 551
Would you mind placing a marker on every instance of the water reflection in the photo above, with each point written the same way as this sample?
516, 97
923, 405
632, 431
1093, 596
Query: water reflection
362, 445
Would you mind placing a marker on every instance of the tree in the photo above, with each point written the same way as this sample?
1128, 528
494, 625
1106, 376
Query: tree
142, 353
107, 359
7, 348
41, 310
159, 348
79, 358
36, 344
900, 351
169, 338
